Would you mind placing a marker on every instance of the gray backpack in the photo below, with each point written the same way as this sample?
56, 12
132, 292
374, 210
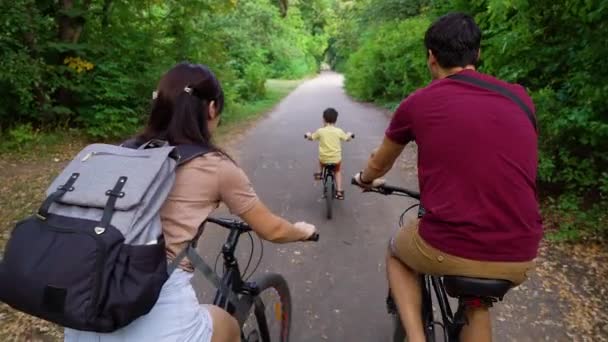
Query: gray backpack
93, 256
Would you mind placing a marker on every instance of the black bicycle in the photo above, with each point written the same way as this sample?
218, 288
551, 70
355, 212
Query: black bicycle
470, 292
329, 187
262, 306
330, 190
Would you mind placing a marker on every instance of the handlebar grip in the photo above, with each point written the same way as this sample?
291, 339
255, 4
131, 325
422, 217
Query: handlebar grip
352, 136
305, 136
313, 237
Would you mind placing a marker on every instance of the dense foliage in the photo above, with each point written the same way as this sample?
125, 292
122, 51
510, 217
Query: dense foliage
555, 49
93, 64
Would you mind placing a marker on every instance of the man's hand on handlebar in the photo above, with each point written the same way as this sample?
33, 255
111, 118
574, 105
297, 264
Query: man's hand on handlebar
373, 184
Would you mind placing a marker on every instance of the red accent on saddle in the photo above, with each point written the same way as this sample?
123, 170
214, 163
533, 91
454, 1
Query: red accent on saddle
475, 303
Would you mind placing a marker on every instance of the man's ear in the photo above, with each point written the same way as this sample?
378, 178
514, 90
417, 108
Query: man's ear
212, 111
432, 58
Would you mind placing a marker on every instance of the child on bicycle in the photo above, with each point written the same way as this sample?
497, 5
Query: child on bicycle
330, 140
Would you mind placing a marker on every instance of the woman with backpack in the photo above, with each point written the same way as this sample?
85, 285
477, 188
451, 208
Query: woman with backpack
186, 110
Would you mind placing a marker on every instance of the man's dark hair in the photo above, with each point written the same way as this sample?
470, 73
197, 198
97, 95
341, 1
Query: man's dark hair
454, 40
330, 115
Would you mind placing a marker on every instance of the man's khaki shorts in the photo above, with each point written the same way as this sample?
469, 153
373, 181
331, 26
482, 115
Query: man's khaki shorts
411, 249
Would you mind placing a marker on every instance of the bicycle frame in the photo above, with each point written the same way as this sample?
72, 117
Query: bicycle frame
233, 294
241, 305
327, 173
451, 323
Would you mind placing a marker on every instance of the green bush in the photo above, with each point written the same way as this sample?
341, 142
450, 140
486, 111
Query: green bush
557, 51
98, 74
20, 137
390, 62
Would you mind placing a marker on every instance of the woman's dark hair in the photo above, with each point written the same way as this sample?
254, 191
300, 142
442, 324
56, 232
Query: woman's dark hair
330, 115
454, 40
180, 108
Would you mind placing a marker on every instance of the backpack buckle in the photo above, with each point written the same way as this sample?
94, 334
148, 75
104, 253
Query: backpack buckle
112, 193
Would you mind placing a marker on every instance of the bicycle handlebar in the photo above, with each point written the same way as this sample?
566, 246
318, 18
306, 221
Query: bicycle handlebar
230, 224
389, 190
352, 136
244, 227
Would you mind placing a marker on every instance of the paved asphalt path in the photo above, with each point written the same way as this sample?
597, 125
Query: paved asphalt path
338, 285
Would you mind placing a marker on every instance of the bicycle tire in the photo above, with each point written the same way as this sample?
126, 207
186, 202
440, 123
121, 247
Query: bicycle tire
329, 196
281, 310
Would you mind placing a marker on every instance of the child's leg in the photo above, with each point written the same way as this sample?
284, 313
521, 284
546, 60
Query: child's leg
339, 180
320, 172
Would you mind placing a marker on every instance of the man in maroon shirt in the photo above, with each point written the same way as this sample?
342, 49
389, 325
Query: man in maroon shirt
477, 160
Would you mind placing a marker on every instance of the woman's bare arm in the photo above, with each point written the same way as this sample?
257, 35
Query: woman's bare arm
274, 228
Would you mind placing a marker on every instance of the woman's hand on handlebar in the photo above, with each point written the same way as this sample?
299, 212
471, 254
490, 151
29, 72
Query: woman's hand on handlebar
308, 230
356, 180
350, 136
308, 136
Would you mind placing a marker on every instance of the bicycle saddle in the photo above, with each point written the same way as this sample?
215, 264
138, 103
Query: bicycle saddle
330, 166
457, 286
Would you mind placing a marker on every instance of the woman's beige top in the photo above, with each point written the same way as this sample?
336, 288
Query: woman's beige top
200, 186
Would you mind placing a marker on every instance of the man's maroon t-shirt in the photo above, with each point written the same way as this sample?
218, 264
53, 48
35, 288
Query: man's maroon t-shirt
477, 159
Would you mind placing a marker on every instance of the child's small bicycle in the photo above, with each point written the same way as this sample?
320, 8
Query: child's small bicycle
330, 190
329, 187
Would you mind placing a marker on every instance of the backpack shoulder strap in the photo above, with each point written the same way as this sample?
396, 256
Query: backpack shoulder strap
500, 90
131, 143
187, 152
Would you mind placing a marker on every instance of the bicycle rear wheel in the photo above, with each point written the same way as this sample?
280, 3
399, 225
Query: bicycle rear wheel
270, 317
329, 196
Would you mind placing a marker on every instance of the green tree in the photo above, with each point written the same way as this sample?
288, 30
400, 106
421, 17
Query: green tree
554, 49
93, 64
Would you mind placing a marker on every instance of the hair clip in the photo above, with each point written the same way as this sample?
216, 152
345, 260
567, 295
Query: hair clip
154, 95
188, 90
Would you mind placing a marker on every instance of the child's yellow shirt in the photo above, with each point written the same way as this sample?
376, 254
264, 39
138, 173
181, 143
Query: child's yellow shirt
330, 140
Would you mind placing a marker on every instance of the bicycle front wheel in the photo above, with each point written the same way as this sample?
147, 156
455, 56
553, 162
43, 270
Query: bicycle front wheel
270, 316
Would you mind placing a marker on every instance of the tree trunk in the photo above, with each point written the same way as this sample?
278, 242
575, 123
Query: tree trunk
70, 28
107, 7
283, 4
